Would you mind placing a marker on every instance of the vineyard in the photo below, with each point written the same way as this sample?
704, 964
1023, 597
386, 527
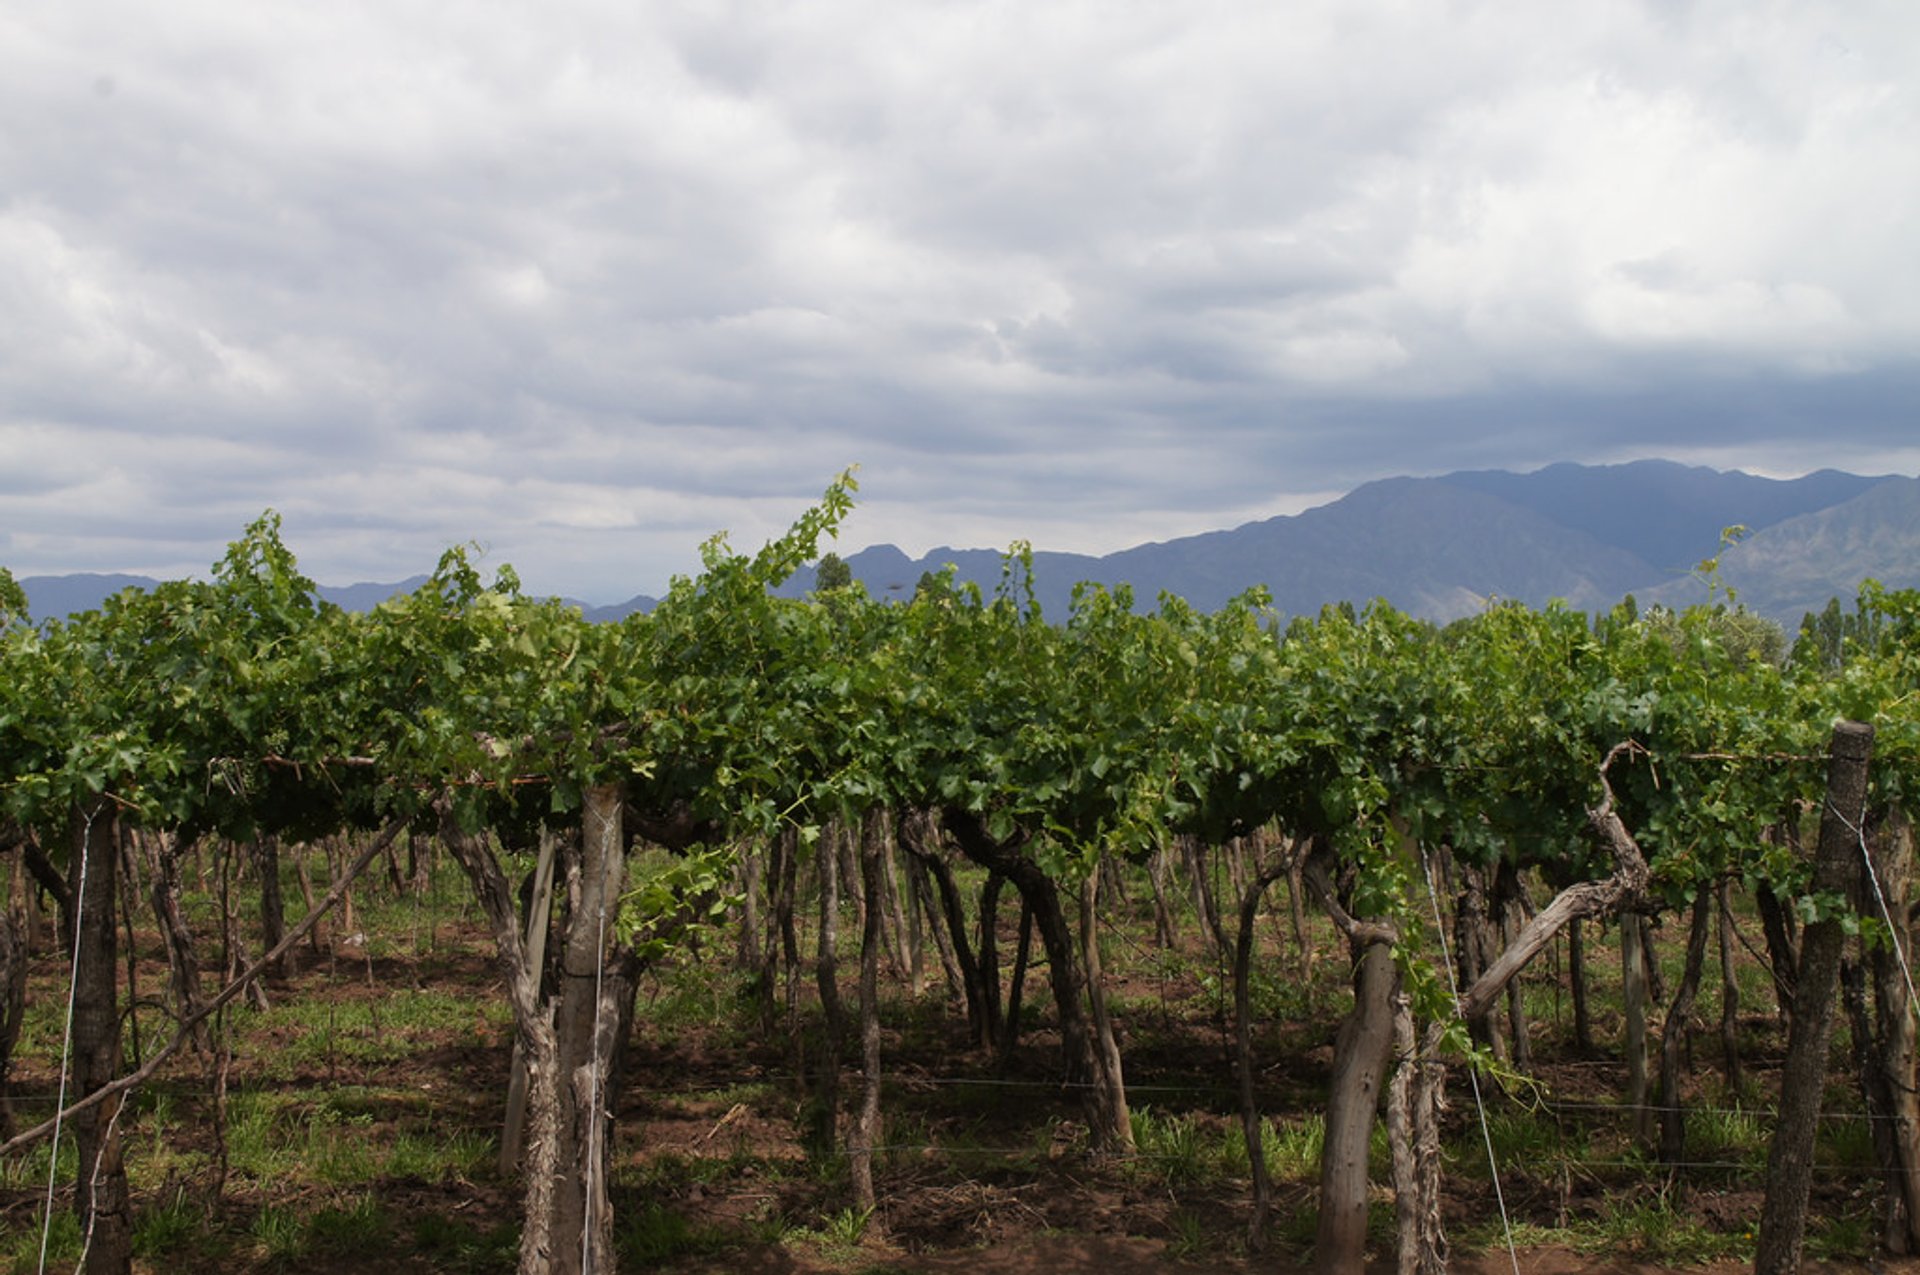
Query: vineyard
833, 933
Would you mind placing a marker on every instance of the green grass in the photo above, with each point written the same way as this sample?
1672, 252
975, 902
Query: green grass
279, 1235
1174, 1150
1845, 1143
1189, 1237
63, 1245
333, 1035
173, 1226
28, 1170
460, 1156
258, 1144
1294, 1149
1524, 1141
335, 1141
1491, 1235
1850, 1237
358, 1227
1729, 1135
843, 1229
1656, 1231
461, 1245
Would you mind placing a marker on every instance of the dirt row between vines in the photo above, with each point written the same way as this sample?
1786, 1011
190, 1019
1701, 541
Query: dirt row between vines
983, 1174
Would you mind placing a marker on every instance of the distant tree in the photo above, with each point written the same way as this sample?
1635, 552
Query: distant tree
1822, 641
1746, 635
833, 573
13, 600
1829, 638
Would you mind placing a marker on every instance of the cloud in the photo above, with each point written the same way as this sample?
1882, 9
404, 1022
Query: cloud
590, 282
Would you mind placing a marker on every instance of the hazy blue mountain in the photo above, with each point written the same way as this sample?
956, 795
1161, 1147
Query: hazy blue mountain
1668, 514
638, 603
1428, 548
85, 591
1438, 548
1795, 566
367, 595
66, 595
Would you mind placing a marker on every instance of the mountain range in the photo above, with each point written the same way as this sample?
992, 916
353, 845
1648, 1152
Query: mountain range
1438, 548
1442, 548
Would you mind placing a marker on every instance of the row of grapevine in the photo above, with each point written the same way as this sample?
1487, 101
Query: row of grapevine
1635, 763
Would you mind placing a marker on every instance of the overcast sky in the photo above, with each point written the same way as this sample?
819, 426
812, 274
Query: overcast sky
588, 282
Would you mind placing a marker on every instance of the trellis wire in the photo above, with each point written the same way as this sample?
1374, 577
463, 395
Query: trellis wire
1873, 875
1473, 1077
66, 1037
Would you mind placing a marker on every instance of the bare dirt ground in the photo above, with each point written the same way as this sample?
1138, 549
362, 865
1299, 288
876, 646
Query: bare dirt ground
982, 1174
1104, 1255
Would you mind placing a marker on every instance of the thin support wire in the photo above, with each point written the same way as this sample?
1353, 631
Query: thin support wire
66, 1037
1886, 914
1473, 1076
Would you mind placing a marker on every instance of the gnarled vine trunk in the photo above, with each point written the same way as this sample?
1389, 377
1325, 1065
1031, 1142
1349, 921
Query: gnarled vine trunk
1673, 1108
1109, 1083
1783, 1218
1064, 970
866, 1122
101, 1198
183, 963
567, 1038
1360, 1053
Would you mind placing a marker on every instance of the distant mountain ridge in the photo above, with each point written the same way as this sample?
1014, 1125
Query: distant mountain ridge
85, 591
1437, 548
1442, 548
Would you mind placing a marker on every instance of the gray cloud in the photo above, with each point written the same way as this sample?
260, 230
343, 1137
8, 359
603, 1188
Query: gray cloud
586, 283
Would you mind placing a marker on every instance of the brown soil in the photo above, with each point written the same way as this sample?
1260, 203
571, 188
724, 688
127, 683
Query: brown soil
985, 1176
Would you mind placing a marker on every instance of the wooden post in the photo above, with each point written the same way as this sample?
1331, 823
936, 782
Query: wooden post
1783, 1219
1633, 994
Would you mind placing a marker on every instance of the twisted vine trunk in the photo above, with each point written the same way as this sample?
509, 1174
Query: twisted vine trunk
1040, 895
1673, 1036
1109, 1082
567, 1040
1884, 1042
1251, 1125
1513, 906
265, 852
1783, 1219
1729, 994
1016, 989
1473, 950
920, 835
183, 964
866, 1123
826, 969
1895, 1039
1415, 1096
101, 1196
1577, 981
1360, 1054
15, 947
928, 920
